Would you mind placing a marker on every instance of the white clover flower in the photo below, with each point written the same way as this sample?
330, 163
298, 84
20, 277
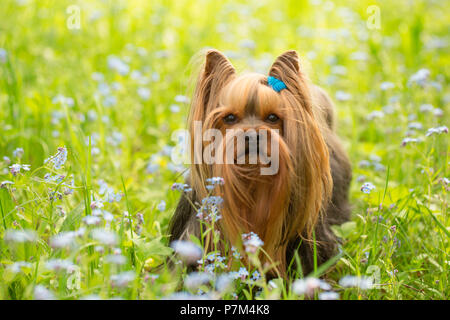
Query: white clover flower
251, 242
105, 237
256, 276
363, 283
80, 232
144, 93
426, 108
97, 76
63, 100
215, 181
224, 283
16, 168
108, 192
187, 251
388, 109
375, 114
339, 70
415, 126
329, 295
386, 85
109, 101
3, 55
118, 65
4, 183
16, 267
97, 204
364, 164
21, 236
410, 140
99, 249
122, 279
181, 99
343, 96
367, 187
247, 44
116, 259
58, 159
103, 89
42, 293
115, 139
437, 112
136, 75
437, 130
241, 274
378, 167
196, 279
57, 265
309, 285
92, 220
63, 240
18, 153
420, 77
155, 76
359, 56
174, 108
116, 86
107, 216
161, 206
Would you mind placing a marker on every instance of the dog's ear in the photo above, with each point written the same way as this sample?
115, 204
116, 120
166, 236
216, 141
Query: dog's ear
216, 73
286, 68
216, 62
286, 65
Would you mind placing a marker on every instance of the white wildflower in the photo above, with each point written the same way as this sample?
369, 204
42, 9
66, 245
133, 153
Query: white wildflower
363, 283
104, 236
122, 279
188, 251
59, 158
42, 293
309, 285
196, 279
367, 187
437, 130
21, 236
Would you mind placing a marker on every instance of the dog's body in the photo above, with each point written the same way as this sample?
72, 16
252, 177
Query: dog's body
310, 191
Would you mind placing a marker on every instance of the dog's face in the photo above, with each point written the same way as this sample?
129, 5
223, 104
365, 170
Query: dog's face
280, 205
248, 103
249, 111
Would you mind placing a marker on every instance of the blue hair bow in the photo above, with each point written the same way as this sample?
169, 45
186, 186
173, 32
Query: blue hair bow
276, 84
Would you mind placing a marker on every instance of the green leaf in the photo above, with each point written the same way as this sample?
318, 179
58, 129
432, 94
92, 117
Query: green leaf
144, 250
344, 230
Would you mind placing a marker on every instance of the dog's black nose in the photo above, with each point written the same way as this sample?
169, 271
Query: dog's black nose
251, 143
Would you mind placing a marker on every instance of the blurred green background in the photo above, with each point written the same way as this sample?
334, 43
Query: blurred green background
118, 74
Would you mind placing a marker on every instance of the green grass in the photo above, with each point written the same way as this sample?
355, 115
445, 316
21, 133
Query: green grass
399, 233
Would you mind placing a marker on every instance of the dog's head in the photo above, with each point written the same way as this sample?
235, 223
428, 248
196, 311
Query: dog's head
266, 144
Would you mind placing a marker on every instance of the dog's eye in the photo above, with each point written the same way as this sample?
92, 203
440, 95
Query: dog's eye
272, 117
231, 118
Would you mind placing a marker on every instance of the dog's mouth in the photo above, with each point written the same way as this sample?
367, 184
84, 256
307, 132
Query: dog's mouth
253, 153
248, 158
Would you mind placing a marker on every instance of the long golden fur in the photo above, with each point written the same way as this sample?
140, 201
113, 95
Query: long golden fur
299, 202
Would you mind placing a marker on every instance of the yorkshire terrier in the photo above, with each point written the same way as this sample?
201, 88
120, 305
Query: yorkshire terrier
292, 209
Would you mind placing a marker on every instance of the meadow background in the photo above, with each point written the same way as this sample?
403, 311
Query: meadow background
104, 96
